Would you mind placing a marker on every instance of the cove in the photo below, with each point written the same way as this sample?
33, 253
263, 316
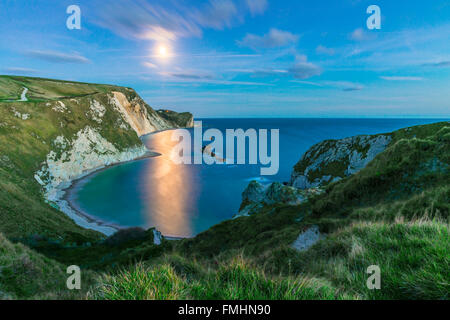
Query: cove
182, 200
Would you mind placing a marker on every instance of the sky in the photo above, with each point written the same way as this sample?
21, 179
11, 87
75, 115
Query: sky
243, 58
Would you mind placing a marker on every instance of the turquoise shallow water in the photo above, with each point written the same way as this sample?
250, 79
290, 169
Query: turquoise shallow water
183, 200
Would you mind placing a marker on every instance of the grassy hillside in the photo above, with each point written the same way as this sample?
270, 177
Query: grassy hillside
40, 89
26, 274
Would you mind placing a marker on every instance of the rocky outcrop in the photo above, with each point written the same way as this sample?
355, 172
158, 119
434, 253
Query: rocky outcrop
256, 195
88, 150
332, 160
307, 239
136, 114
182, 120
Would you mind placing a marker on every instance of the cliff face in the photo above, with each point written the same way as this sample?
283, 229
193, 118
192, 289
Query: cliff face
144, 119
332, 160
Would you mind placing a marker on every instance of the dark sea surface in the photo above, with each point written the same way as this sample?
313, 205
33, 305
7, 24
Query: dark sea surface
183, 200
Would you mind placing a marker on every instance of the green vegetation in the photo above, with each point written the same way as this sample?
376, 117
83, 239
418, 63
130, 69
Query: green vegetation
40, 89
25, 274
181, 119
413, 257
178, 278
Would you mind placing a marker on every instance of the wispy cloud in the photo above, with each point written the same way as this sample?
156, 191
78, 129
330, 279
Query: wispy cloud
344, 85
19, 70
301, 69
218, 14
57, 57
160, 21
360, 35
150, 65
341, 85
324, 50
418, 46
274, 39
397, 78
440, 64
257, 6
188, 76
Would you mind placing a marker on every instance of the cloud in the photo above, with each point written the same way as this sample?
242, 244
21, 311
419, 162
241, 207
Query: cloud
274, 39
262, 72
143, 20
257, 7
57, 57
441, 64
217, 14
315, 84
396, 78
160, 21
324, 50
303, 69
18, 70
150, 65
344, 85
209, 79
189, 76
359, 35
341, 85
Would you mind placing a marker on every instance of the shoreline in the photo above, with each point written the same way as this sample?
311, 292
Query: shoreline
95, 223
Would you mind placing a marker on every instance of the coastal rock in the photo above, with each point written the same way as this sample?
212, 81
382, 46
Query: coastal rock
157, 237
256, 195
307, 239
96, 111
59, 107
143, 119
71, 159
134, 114
331, 160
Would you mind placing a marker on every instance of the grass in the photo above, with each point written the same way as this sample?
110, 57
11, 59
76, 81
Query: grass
25, 274
41, 89
413, 257
236, 280
119, 250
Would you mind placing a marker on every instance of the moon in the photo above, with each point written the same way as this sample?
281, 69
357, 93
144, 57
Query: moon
162, 51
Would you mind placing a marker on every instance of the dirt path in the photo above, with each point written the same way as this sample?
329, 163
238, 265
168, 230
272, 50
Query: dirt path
23, 97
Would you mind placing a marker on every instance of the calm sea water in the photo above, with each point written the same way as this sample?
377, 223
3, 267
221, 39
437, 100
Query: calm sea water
183, 200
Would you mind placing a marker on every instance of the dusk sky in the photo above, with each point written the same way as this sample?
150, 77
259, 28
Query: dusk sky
243, 58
